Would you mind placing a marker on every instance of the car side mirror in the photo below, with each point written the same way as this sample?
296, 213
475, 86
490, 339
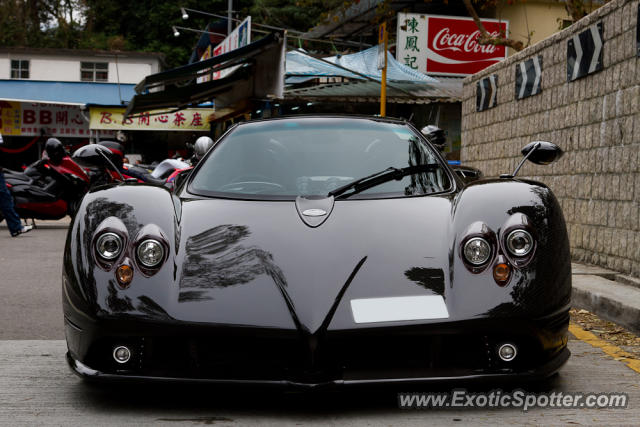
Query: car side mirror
538, 152
545, 153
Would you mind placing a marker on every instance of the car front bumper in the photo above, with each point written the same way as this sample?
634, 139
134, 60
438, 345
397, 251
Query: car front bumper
464, 351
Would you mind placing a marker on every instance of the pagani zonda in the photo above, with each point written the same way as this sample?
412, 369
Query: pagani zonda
320, 250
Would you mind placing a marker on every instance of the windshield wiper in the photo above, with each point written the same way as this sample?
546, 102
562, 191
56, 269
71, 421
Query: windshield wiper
386, 175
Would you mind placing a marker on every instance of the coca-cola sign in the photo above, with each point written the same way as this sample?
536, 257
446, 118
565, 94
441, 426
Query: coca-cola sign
446, 45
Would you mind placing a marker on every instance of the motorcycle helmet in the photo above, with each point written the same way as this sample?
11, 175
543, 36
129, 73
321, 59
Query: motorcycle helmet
202, 145
435, 135
116, 152
55, 150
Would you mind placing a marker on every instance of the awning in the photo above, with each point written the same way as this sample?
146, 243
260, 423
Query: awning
446, 90
300, 64
77, 93
360, 65
366, 62
256, 71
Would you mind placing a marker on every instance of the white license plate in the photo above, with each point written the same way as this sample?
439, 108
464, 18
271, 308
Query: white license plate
395, 309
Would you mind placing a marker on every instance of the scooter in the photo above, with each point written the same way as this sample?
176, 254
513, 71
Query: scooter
163, 174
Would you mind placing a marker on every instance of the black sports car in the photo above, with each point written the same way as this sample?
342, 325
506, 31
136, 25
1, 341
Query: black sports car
320, 250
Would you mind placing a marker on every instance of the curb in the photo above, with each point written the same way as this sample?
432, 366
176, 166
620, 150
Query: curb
613, 301
59, 224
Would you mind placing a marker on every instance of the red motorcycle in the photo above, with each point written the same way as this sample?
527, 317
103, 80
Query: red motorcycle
54, 186
50, 188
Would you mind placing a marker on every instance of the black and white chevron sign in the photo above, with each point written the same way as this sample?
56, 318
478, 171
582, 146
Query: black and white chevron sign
584, 52
528, 76
487, 93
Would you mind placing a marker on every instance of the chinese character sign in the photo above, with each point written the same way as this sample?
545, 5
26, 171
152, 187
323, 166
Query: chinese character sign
192, 119
29, 119
10, 118
446, 45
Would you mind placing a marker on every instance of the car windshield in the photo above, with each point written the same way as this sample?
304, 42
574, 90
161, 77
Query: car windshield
286, 158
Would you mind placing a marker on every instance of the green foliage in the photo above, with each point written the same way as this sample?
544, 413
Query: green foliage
143, 25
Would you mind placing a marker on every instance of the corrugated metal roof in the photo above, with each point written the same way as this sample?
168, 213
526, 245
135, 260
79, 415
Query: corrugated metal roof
446, 90
353, 66
301, 64
65, 92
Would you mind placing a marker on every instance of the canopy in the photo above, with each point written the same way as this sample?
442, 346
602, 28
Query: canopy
252, 71
366, 61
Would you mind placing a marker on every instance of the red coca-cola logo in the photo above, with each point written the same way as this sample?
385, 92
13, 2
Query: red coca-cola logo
453, 46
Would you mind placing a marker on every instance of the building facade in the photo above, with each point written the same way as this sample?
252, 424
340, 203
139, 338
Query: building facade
69, 65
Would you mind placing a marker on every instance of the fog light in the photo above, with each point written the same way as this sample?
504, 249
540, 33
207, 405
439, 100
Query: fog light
507, 352
121, 354
124, 274
501, 273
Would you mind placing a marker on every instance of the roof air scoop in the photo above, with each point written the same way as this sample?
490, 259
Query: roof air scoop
314, 210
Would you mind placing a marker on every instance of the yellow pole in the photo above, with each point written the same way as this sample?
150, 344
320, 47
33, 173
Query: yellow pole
383, 86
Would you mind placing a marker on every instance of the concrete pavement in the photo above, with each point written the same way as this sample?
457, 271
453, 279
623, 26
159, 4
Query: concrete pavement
36, 388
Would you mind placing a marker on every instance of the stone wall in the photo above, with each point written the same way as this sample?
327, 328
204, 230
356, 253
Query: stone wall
596, 121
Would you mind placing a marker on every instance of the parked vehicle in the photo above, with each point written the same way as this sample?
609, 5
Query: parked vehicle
320, 250
51, 187
161, 174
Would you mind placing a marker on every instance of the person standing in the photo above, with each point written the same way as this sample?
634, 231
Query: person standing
6, 207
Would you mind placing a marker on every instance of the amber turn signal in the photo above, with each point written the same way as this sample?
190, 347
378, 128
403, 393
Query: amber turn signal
124, 274
501, 273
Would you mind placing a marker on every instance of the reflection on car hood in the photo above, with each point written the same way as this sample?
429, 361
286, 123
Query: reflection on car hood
258, 264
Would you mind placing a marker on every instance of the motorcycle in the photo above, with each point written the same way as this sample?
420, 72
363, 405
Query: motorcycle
48, 189
54, 186
162, 174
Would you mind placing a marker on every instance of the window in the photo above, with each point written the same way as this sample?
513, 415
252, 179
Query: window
94, 71
286, 158
19, 69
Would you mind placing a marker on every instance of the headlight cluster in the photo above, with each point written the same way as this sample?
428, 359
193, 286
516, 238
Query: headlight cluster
477, 251
150, 252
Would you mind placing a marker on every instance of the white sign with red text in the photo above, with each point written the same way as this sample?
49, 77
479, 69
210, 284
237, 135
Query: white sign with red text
447, 45
240, 36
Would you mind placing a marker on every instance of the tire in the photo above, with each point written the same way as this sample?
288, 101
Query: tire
72, 207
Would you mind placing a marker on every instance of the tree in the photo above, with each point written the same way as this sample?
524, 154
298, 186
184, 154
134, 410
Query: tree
485, 38
576, 9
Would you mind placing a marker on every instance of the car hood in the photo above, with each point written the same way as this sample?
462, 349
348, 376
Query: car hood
259, 264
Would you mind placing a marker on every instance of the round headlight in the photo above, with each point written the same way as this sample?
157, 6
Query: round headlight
150, 253
109, 246
519, 242
477, 251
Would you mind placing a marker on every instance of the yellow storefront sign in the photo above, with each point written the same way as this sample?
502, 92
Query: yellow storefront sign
10, 118
192, 119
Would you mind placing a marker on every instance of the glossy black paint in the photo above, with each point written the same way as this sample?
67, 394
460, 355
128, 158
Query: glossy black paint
544, 154
252, 292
